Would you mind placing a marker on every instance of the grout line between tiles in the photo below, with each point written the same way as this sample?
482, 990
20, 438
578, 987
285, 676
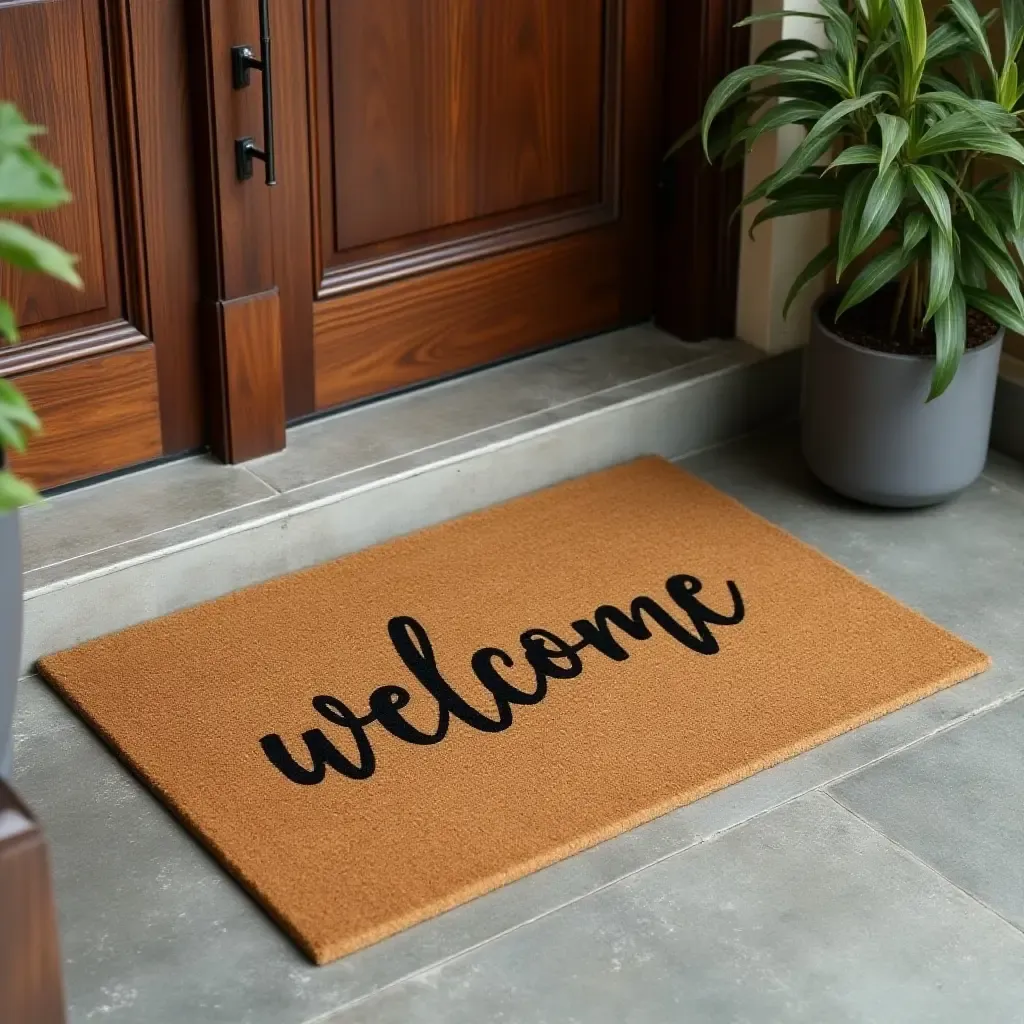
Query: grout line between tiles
821, 787
930, 868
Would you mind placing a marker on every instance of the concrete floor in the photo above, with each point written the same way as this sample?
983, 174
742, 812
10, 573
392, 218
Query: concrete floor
877, 878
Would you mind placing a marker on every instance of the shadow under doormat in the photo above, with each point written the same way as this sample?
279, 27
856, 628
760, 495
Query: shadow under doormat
370, 742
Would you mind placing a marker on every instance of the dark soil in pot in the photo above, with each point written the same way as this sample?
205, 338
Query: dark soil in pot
868, 325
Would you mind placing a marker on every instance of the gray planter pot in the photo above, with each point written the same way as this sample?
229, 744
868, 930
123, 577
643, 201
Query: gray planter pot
10, 630
869, 434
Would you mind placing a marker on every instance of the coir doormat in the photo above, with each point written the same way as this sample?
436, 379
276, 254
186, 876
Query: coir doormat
373, 741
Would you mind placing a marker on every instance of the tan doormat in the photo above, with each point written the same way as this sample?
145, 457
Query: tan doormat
373, 741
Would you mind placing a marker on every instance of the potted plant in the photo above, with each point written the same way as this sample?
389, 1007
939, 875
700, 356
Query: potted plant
28, 184
911, 136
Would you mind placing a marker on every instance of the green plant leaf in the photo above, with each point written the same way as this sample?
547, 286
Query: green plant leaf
840, 30
14, 407
895, 132
964, 131
786, 112
929, 187
818, 140
879, 272
948, 40
728, 90
849, 223
1016, 190
755, 19
991, 113
15, 131
915, 228
1000, 309
880, 207
14, 492
942, 272
806, 203
969, 19
8, 325
1013, 30
27, 250
815, 267
782, 48
998, 262
950, 340
912, 27
856, 156
26, 186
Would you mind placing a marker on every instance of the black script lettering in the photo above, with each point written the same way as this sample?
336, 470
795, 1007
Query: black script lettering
548, 655
413, 646
544, 651
321, 750
386, 704
503, 692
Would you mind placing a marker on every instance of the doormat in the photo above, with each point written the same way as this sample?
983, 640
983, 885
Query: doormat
373, 741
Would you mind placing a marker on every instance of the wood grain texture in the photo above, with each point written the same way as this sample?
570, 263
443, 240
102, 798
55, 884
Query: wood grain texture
697, 243
31, 990
291, 203
485, 307
444, 113
51, 65
154, 34
252, 376
423, 328
98, 414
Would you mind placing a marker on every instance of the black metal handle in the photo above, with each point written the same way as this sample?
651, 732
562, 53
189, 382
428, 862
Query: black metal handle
244, 61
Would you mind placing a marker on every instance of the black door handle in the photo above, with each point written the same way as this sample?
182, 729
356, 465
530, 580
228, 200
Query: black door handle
243, 62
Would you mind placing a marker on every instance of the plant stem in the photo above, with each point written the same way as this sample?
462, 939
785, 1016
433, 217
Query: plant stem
897, 308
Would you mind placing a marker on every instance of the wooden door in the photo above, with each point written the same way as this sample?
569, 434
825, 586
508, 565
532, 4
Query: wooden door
483, 177
459, 180
112, 369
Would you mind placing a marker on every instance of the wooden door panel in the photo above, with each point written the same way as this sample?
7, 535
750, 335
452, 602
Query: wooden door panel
55, 88
449, 112
449, 130
107, 79
483, 181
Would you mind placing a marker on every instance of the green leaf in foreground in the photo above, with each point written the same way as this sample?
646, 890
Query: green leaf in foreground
950, 340
14, 492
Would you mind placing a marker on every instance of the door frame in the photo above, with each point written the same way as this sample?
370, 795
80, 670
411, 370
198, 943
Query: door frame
259, 264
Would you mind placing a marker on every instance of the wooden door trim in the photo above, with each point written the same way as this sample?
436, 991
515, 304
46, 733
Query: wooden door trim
698, 239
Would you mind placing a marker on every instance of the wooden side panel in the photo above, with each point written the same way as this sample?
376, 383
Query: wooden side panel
252, 376
421, 328
698, 240
98, 414
30, 960
51, 65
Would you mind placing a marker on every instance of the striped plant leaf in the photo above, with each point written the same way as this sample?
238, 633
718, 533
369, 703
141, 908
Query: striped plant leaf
950, 340
895, 132
855, 156
941, 273
849, 223
878, 273
1000, 309
929, 188
880, 207
915, 229
808, 274
965, 131
966, 13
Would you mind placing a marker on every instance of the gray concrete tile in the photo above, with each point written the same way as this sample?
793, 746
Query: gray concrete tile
1006, 471
804, 915
141, 504
407, 423
957, 802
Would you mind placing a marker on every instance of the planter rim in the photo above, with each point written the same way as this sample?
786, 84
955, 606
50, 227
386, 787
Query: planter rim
897, 356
